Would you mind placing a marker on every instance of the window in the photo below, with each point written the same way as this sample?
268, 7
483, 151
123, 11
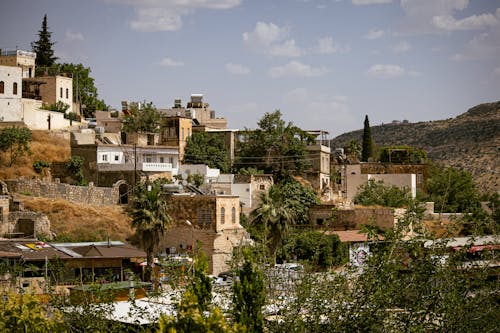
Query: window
1, 87
14, 88
233, 214
104, 158
262, 187
60, 92
222, 215
67, 93
117, 158
162, 159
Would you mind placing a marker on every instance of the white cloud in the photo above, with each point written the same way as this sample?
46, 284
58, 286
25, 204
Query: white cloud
72, 36
299, 95
161, 15
390, 71
297, 69
237, 69
401, 47
370, 2
375, 34
325, 45
474, 22
268, 38
485, 45
169, 62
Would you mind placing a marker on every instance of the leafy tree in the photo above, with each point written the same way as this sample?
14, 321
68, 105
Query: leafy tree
249, 295
190, 319
204, 148
353, 150
315, 248
84, 89
275, 147
367, 145
24, 313
39, 166
275, 214
402, 154
377, 193
201, 285
150, 219
142, 120
451, 189
43, 46
301, 196
59, 106
75, 167
16, 140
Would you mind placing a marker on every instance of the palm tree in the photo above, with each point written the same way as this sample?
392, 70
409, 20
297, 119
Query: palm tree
275, 213
150, 219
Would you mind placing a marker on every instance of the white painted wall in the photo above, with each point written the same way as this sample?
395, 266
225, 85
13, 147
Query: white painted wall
10, 104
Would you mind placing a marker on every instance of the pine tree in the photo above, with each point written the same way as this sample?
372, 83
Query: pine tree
43, 46
367, 151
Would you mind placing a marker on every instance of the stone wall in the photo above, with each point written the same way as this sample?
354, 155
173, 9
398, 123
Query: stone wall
90, 194
351, 219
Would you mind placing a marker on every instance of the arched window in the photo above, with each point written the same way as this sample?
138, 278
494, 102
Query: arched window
222, 215
14, 88
1, 87
233, 214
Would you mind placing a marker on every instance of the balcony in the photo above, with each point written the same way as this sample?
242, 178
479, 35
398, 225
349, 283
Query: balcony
156, 167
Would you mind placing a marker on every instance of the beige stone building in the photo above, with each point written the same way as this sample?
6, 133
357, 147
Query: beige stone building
10, 94
211, 221
22, 59
58, 88
175, 130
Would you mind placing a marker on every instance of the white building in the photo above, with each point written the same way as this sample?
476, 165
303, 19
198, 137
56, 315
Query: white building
10, 93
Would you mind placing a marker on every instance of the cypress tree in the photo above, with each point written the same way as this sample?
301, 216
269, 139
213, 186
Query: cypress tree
367, 151
43, 46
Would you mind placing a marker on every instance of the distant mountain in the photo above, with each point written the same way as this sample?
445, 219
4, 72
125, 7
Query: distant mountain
470, 141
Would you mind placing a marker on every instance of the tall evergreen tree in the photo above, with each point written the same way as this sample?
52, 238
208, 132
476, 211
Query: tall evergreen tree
43, 46
367, 151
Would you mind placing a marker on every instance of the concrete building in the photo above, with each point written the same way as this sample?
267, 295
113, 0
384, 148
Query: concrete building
211, 221
10, 94
18, 58
175, 130
319, 156
196, 109
58, 88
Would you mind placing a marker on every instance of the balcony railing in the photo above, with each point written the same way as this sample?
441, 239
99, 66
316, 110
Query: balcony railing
154, 166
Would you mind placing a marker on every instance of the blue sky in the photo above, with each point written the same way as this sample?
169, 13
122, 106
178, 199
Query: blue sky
323, 63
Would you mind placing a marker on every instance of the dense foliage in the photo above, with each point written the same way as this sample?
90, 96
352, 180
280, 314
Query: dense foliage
145, 119
451, 189
150, 219
209, 149
314, 248
377, 193
16, 141
75, 168
402, 154
275, 147
43, 46
367, 145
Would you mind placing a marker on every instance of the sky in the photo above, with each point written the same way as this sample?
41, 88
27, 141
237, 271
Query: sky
324, 64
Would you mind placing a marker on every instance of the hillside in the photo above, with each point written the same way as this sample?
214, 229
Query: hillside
78, 222
470, 141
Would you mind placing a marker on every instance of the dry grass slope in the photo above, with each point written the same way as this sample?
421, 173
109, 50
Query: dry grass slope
78, 222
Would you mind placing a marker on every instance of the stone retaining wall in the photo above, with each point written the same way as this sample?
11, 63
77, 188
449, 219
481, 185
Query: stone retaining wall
90, 194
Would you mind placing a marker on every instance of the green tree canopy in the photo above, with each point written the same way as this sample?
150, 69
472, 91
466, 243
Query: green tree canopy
451, 189
402, 154
16, 141
367, 145
43, 46
142, 120
209, 149
377, 193
150, 218
275, 147
249, 295
84, 89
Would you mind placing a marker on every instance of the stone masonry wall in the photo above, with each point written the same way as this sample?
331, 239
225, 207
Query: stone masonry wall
90, 194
